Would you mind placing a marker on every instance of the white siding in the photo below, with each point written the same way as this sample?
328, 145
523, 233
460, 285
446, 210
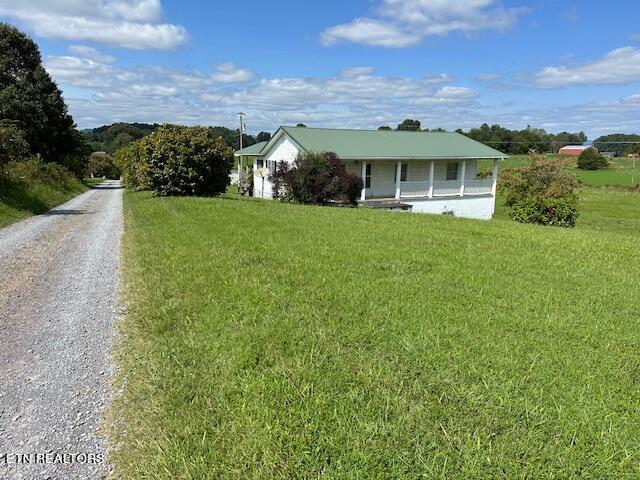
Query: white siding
383, 179
418, 171
282, 150
440, 172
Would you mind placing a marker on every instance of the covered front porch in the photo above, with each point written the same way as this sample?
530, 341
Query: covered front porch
430, 178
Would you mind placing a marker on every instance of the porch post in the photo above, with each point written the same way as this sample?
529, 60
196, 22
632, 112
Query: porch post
398, 170
431, 169
364, 181
463, 174
494, 177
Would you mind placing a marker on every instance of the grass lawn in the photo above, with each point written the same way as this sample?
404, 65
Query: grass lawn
619, 173
30, 188
266, 340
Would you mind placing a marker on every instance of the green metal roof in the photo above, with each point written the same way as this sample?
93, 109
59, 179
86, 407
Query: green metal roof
252, 150
384, 144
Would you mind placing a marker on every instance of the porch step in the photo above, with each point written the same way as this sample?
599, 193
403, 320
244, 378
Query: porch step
385, 204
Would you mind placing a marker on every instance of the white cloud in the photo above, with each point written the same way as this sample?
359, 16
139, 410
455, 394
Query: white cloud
80, 72
596, 118
354, 97
369, 32
90, 53
101, 93
403, 23
620, 66
230, 73
439, 78
132, 24
487, 77
495, 81
356, 72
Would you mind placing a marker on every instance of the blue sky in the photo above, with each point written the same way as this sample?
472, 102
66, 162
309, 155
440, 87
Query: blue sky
556, 64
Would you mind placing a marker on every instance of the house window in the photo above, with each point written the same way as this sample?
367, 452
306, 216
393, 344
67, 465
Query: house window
367, 176
271, 165
259, 163
452, 171
403, 171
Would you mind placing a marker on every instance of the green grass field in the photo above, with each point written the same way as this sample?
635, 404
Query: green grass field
619, 173
265, 340
30, 188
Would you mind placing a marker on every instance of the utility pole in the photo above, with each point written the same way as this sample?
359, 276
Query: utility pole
241, 116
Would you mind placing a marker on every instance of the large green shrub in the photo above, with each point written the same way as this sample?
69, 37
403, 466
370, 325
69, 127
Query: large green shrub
187, 161
591, 159
558, 212
316, 178
34, 171
177, 160
133, 166
541, 193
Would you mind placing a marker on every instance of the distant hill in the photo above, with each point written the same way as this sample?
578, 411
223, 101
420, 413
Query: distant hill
110, 138
618, 143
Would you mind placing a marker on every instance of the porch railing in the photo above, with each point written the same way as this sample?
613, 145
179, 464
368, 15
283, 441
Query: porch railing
414, 189
477, 187
445, 188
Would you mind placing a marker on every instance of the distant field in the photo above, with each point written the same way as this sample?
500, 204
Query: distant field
600, 209
619, 172
266, 340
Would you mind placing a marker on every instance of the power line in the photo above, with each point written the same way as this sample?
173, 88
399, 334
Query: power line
554, 141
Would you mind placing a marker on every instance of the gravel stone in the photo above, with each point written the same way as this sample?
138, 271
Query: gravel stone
58, 288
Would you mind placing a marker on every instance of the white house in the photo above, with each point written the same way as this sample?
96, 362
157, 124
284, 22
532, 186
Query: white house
428, 172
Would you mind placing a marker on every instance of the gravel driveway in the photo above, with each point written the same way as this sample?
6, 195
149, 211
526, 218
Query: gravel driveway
58, 281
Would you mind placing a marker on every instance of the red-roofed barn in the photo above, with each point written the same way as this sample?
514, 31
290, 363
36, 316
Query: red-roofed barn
575, 149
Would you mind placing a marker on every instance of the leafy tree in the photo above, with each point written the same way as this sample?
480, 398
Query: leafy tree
591, 159
541, 193
30, 99
110, 138
186, 161
384, 127
102, 165
13, 145
301, 125
409, 124
232, 137
522, 141
617, 143
316, 178
263, 137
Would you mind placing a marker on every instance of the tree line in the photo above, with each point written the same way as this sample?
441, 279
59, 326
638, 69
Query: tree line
506, 140
110, 138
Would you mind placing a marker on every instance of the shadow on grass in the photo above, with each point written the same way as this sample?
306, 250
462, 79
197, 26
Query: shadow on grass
15, 196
